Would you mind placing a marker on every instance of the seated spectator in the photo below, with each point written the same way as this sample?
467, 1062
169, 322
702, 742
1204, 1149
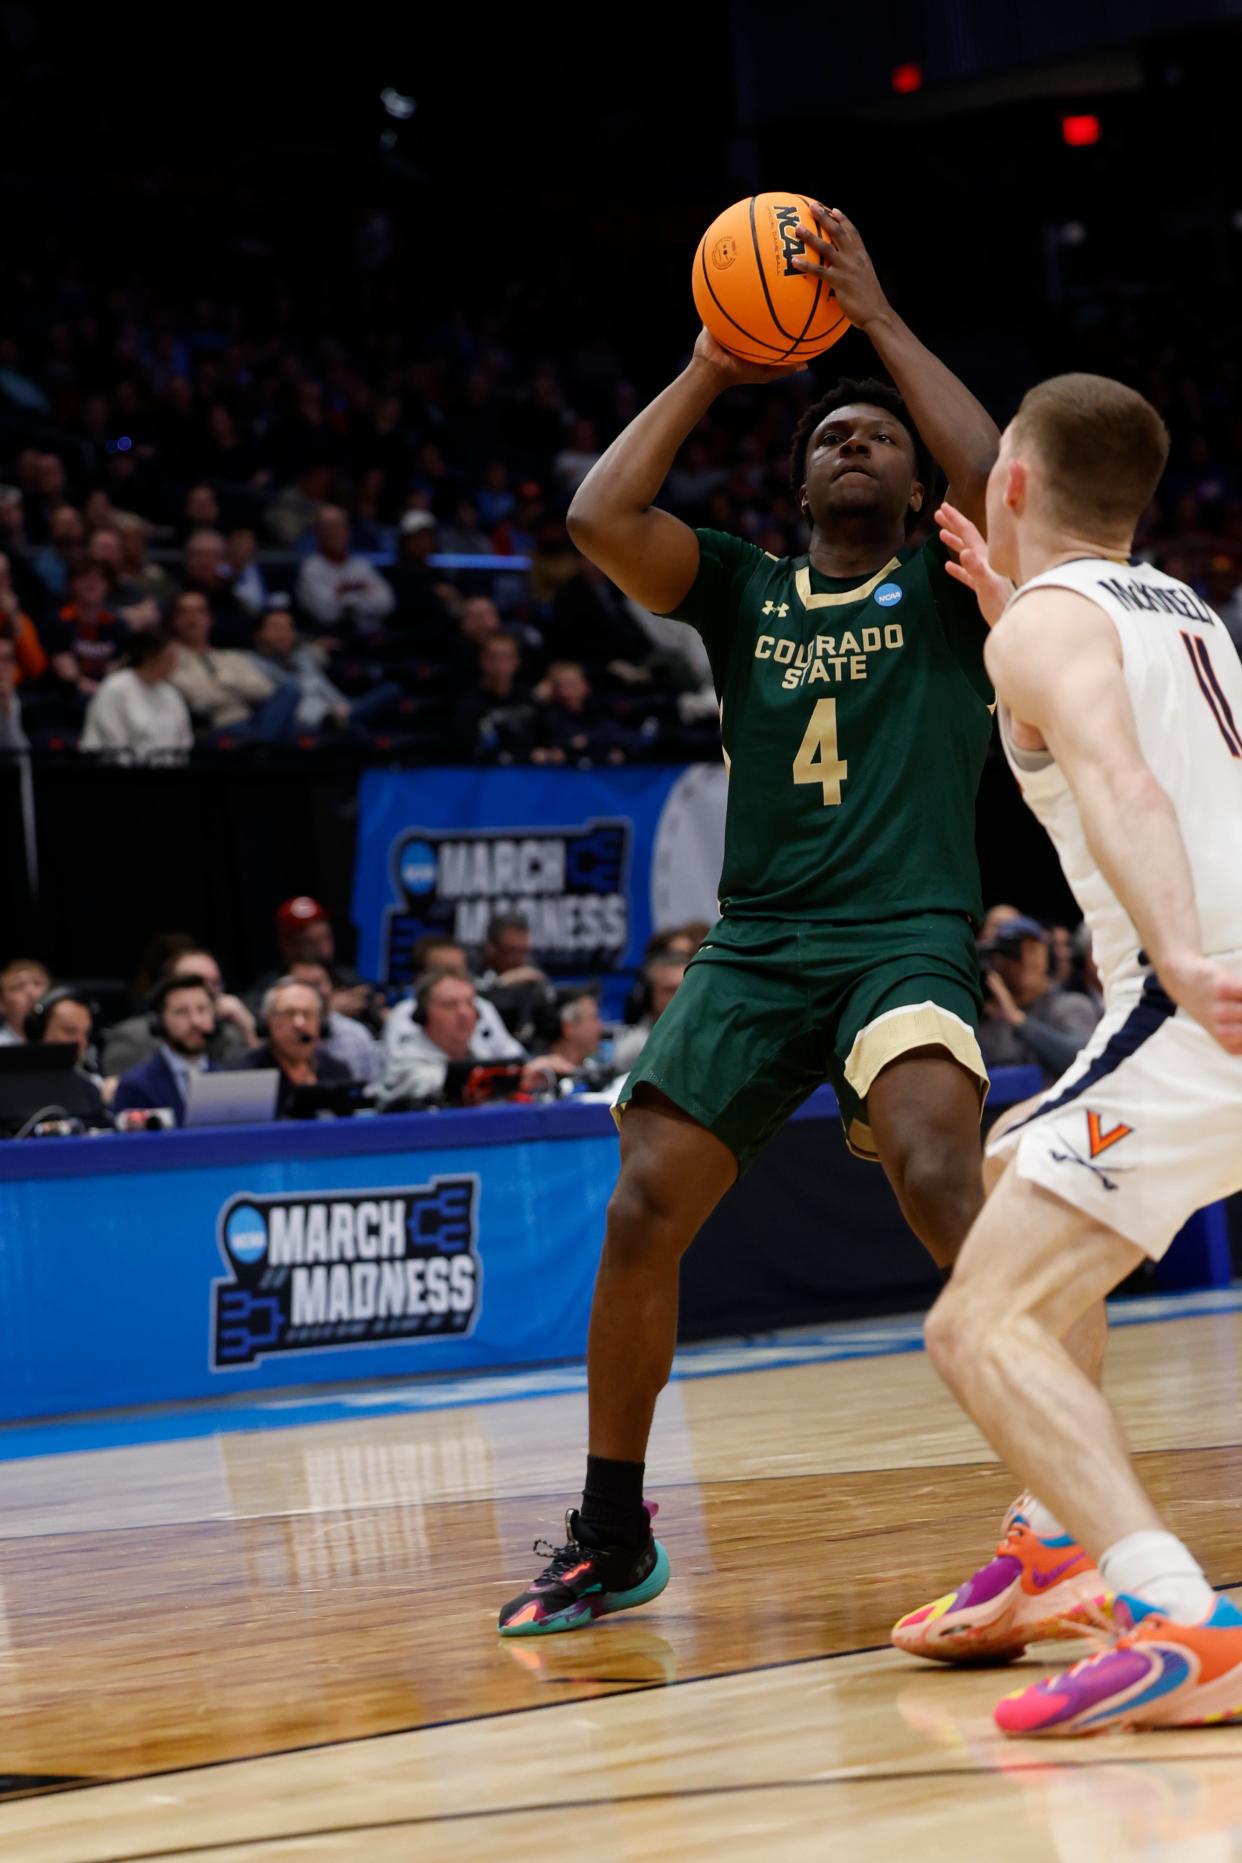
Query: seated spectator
293, 1018
662, 976
676, 941
494, 719
994, 918
29, 659
336, 588
589, 614
282, 656
201, 511
138, 715
222, 686
465, 536
12, 731
1027, 1019
23, 981
304, 931
575, 459
422, 598
573, 1050
65, 537
183, 1024
136, 1040
67, 1015
138, 573
249, 584
86, 640
107, 548
294, 510
353, 1045
207, 573
491, 1040
479, 622
441, 1039
569, 723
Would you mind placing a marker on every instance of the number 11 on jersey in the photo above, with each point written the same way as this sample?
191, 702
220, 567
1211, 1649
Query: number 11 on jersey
817, 760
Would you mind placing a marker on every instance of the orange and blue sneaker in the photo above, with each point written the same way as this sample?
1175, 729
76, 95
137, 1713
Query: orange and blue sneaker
581, 1583
1155, 1673
1030, 1592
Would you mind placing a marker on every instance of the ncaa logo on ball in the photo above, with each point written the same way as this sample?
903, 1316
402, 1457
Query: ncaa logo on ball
723, 253
889, 594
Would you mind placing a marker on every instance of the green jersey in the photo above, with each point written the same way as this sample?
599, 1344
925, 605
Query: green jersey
855, 718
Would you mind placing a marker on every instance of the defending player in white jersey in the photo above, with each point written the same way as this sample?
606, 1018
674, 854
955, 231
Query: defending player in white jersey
1120, 700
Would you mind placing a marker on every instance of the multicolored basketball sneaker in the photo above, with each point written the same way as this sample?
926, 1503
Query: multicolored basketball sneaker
1032, 1590
1154, 1674
581, 1583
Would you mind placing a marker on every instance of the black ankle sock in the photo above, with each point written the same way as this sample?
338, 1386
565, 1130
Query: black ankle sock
612, 1512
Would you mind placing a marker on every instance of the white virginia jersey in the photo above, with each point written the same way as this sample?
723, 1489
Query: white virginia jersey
1185, 682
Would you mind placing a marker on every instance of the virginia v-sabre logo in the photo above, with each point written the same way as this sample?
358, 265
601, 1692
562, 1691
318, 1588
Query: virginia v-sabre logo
346, 1268
569, 882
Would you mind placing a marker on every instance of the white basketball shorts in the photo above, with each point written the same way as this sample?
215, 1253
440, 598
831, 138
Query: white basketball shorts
1143, 1129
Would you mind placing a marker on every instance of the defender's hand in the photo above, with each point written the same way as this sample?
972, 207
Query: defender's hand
972, 568
1209, 993
733, 370
835, 252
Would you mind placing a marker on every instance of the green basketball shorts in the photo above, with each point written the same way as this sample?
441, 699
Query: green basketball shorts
771, 1008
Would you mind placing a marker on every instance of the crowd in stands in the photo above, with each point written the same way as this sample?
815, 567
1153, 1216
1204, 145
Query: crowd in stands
474, 1027
219, 530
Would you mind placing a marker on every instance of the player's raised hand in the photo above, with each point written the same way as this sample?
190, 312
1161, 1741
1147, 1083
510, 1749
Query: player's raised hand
835, 252
1210, 993
972, 568
733, 369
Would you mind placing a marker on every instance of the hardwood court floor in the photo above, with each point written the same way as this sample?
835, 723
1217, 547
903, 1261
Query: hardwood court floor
281, 1644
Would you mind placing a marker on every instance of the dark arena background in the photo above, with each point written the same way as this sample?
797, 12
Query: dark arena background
311, 326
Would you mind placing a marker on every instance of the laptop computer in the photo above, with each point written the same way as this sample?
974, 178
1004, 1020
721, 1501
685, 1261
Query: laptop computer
241, 1098
40, 1076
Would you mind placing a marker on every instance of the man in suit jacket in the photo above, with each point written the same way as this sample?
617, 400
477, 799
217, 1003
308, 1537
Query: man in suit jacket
185, 1020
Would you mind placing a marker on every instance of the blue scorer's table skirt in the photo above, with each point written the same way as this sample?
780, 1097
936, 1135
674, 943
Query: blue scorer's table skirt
165, 1267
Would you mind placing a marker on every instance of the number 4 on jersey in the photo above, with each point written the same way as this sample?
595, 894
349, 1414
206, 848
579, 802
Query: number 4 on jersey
817, 760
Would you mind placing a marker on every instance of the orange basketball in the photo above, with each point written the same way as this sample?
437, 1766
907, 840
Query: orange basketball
748, 292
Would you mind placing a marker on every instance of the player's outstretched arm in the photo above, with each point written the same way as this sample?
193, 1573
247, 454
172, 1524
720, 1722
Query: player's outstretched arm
652, 556
1056, 662
957, 430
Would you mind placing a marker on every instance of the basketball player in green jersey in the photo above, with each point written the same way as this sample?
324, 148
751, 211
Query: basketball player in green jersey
855, 713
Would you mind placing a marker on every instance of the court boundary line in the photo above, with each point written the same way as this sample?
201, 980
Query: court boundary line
461, 1720
841, 1777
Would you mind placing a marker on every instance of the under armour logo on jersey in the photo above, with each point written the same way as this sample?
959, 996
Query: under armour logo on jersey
1100, 1140
779, 609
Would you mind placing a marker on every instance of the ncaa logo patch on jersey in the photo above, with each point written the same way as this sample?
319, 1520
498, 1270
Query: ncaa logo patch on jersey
889, 594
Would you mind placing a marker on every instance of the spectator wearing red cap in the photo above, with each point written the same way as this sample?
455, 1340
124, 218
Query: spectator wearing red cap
304, 922
304, 934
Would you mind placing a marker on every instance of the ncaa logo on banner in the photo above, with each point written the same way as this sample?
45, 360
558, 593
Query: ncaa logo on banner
346, 1268
571, 884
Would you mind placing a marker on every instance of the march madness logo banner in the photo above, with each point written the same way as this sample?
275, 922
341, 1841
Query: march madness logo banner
596, 860
569, 882
346, 1268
